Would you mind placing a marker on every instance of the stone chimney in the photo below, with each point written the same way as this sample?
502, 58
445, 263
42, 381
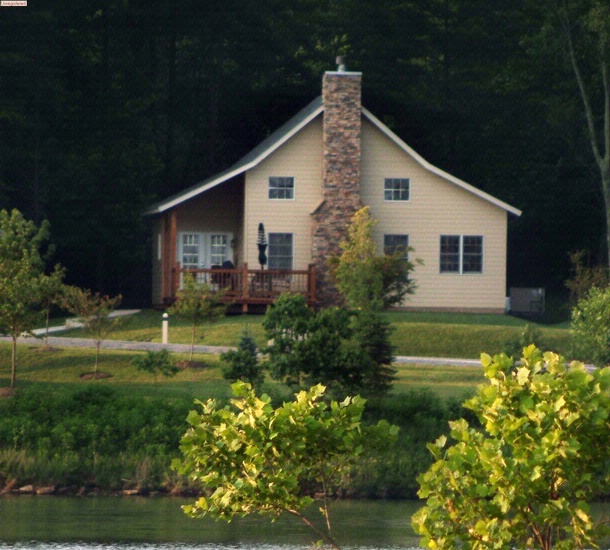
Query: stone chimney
341, 98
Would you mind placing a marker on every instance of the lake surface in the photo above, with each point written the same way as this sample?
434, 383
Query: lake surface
125, 523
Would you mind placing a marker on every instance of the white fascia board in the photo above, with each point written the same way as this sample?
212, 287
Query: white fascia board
441, 173
162, 207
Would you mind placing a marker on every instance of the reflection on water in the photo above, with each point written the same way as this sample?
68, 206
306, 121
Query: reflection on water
108, 523
114, 523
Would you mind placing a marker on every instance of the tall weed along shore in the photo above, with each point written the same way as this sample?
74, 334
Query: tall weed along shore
99, 441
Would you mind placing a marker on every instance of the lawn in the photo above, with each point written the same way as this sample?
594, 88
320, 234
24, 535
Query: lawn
60, 370
415, 334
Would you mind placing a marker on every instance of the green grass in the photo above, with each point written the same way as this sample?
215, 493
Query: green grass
416, 334
60, 370
446, 382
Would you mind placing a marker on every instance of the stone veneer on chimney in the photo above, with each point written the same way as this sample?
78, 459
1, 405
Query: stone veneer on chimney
341, 98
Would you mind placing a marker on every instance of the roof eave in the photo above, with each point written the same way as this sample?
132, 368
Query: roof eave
238, 169
441, 173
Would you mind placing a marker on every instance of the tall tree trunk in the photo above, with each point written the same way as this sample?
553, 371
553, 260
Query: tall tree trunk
97, 355
192, 341
600, 144
14, 362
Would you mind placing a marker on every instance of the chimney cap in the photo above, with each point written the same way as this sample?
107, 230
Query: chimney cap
340, 61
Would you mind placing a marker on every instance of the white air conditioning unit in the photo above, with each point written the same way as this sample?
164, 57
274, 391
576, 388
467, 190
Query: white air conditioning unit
527, 301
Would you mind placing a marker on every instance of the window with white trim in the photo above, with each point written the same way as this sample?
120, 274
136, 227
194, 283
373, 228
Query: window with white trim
396, 189
280, 250
281, 188
218, 249
461, 254
395, 243
191, 255
203, 250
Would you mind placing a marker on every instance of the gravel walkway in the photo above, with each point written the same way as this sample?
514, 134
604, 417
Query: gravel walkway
61, 342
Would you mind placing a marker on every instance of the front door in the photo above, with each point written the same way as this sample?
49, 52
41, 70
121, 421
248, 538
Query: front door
204, 250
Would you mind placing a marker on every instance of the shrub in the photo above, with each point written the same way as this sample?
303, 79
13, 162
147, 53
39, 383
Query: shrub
584, 277
156, 362
243, 364
347, 351
525, 479
368, 280
513, 347
591, 326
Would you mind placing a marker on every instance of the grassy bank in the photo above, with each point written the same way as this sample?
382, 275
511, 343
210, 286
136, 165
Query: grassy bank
120, 433
415, 334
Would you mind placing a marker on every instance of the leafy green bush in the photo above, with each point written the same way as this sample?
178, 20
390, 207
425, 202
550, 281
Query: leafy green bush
591, 326
347, 351
513, 347
156, 362
94, 420
525, 479
253, 458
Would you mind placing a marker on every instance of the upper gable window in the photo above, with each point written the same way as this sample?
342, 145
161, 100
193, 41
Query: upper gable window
396, 189
281, 188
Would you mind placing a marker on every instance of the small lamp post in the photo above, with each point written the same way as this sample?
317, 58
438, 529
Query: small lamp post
165, 329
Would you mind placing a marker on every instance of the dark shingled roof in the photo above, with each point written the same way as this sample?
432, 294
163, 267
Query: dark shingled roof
262, 150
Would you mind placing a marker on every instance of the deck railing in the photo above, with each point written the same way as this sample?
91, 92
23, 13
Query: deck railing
252, 286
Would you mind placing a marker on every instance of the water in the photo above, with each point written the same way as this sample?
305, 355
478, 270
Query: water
108, 523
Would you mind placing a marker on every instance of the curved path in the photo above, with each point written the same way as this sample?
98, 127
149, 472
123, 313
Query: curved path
57, 341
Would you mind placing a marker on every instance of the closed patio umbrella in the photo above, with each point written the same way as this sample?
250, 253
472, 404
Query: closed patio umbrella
261, 242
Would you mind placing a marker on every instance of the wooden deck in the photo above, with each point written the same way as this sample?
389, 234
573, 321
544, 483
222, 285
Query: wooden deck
247, 287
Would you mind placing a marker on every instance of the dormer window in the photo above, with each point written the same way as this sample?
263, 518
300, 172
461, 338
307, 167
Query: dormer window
396, 189
281, 188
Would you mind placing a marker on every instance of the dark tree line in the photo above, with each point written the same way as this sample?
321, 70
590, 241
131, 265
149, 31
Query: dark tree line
110, 105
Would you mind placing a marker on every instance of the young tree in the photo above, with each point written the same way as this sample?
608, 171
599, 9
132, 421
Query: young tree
198, 304
306, 346
21, 275
19, 290
347, 351
524, 480
368, 280
93, 310
256, 459
243, 364
371, 353
51, 290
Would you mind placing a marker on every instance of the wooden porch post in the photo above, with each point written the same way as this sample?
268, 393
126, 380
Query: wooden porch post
171, 251
311, 284
244, 288
166, 263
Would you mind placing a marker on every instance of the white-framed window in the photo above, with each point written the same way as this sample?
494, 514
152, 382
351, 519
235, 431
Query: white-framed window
461, 254
191, 250
280, 251
203, 250
281, 188
218, 249
396, 189
394, 243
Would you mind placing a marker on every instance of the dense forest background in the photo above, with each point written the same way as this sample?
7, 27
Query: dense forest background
108, 106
